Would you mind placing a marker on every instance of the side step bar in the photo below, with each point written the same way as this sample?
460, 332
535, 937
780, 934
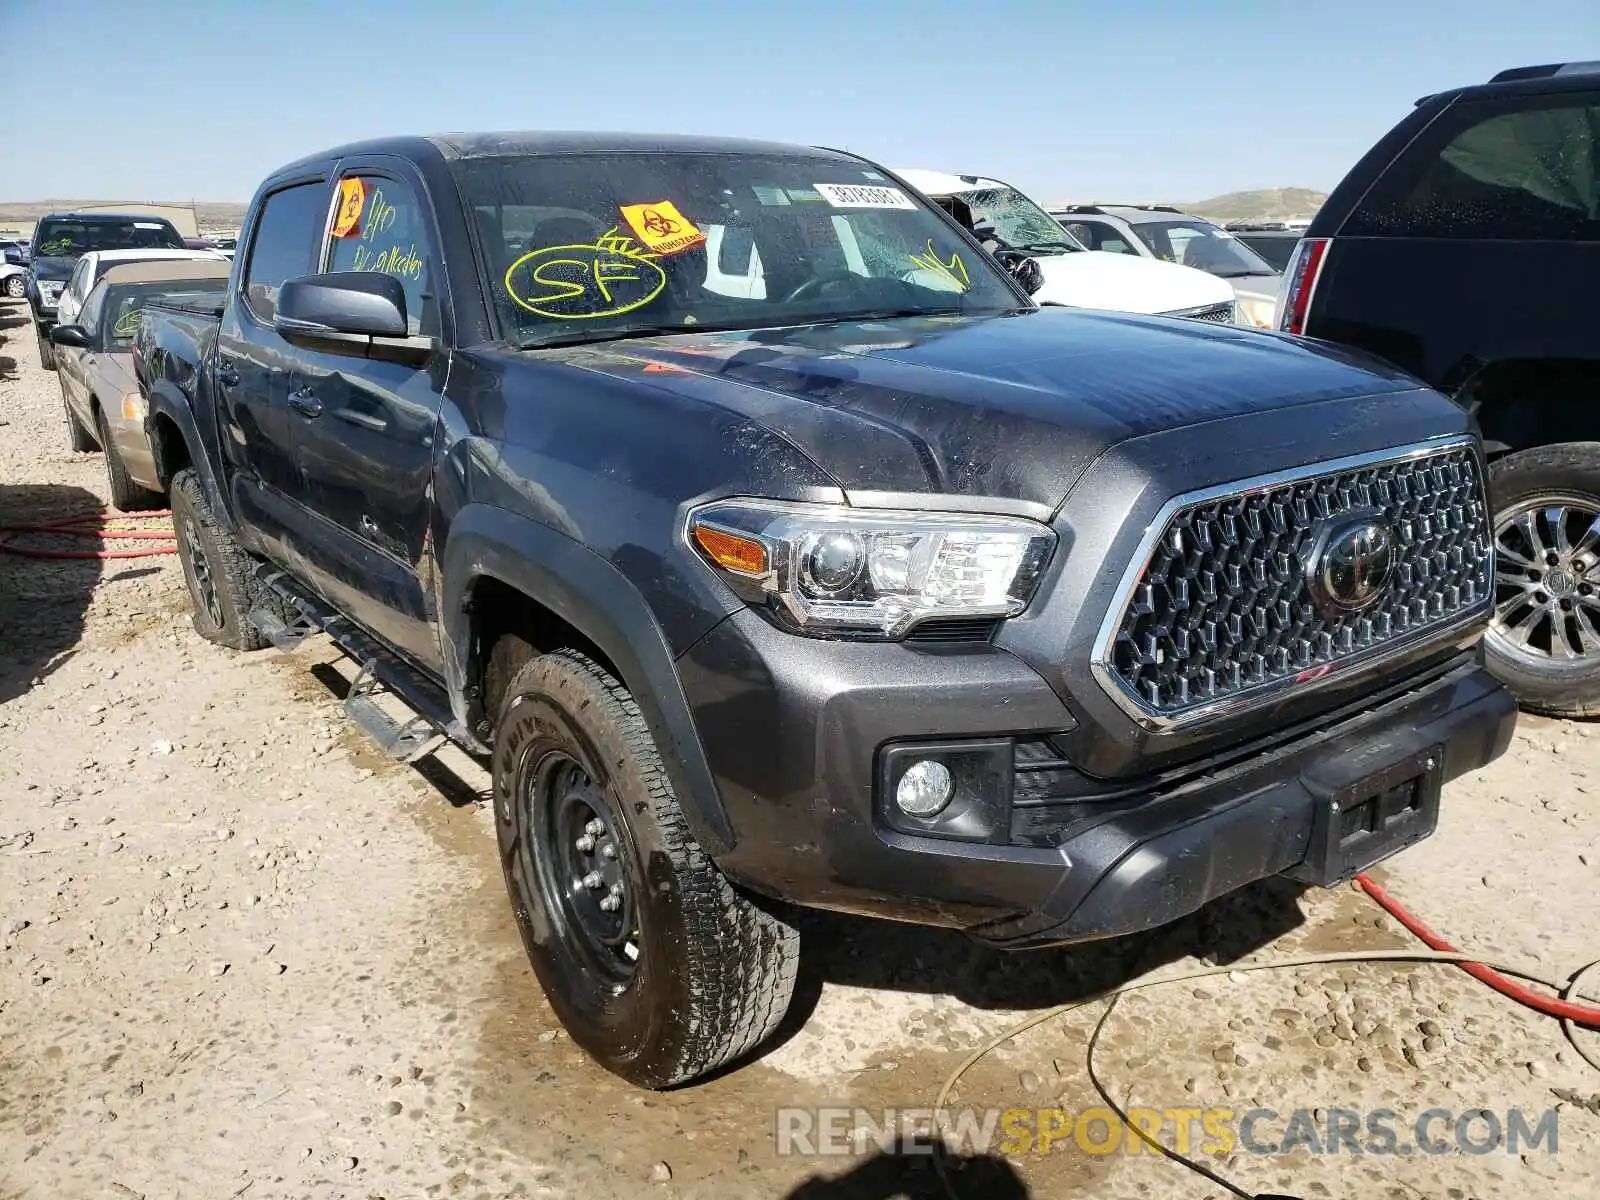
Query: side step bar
381, 671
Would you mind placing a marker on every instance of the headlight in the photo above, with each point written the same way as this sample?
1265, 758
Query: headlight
1258, 312
50, 290
834, 571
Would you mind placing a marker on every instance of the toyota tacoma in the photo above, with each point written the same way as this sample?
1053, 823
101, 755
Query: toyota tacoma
865, 585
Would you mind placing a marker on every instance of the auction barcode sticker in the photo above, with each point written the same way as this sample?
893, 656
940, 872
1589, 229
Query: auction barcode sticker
855, 195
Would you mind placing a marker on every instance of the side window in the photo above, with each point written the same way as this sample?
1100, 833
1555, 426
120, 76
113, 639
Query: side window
284, 244
1533, 174
378, 225
1098, 236
89, 317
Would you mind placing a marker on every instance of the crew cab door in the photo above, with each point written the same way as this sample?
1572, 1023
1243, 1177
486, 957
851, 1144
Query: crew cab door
364, 427
251, 373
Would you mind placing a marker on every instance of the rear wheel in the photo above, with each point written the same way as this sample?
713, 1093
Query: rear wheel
655, 964
125, 493
220, 572
16, 287
1544, 640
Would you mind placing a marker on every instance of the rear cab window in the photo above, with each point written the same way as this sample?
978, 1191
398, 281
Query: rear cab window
1526, 169
283, 244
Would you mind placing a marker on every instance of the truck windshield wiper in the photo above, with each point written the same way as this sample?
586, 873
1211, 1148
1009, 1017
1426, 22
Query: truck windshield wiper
613, 334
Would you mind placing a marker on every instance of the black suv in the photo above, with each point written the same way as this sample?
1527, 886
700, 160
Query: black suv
1465, 248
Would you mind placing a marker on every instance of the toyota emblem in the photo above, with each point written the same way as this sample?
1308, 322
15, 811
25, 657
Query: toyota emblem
1349, 572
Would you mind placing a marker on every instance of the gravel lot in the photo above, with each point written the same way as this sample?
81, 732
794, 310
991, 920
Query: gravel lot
242, 955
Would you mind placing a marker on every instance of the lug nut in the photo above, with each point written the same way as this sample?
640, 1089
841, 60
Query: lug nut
586, 843
592, 881
610, 904
595, 827
608, 851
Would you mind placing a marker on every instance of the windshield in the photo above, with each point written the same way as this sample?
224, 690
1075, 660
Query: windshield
1201, 245
73, 239
123, 303
1019, 221
592, 246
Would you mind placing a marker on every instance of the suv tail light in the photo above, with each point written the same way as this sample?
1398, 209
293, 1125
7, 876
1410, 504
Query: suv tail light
1299, 282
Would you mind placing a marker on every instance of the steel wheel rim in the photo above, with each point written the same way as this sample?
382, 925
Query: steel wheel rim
1547, 583
198, 572
581, 867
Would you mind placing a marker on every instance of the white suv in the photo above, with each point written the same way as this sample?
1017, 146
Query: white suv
1072, 274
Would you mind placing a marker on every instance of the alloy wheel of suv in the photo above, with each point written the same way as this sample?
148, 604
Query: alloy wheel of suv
1547, 581
1544, 637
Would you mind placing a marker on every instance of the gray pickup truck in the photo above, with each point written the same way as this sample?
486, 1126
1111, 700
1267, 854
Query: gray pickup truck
775, 549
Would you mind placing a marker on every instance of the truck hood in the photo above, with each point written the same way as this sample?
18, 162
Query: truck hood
1010, 407
1125, 283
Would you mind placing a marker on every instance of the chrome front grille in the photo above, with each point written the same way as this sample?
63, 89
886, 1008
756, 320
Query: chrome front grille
1218, 606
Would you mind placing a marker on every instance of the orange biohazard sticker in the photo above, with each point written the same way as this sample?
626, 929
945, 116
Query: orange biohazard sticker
352, 199
661, 228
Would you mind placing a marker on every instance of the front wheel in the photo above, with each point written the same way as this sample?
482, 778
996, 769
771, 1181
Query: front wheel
126, 494
655, 964
16, 288
1544, 639
47, 352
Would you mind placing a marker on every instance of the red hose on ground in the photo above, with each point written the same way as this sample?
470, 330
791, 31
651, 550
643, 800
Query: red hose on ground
91, 525
1577, 1013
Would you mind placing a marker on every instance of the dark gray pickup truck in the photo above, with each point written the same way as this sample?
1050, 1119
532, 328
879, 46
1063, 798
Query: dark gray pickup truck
777, 549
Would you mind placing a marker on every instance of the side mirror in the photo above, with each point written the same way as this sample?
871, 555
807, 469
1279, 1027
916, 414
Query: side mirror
358, 303
70, 335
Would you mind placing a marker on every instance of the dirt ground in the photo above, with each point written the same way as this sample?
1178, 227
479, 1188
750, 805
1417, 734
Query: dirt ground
243, 955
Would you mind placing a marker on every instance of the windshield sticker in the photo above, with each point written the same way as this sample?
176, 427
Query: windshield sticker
662, 228
856, 195
147, 225
872, 175
352, 199
772, 197
613, 276
805, 196
951, 269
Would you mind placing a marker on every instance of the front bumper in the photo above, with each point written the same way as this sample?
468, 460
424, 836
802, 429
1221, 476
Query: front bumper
796, 730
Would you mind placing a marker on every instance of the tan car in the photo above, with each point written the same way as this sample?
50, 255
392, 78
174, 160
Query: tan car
95, 364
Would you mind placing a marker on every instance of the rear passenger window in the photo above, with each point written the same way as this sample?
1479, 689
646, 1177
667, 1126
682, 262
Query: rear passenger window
1531, 175
284, 244
378, 226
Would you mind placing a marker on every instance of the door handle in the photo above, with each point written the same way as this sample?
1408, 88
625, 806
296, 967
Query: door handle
227, 376
304, 401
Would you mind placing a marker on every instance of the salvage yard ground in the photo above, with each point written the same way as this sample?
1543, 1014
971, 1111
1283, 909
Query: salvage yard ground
243, 955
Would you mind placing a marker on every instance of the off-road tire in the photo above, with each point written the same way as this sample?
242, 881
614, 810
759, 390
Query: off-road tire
47, 351
229, 566
15, 287
79, 438
1570, 469
126, 495
715, 971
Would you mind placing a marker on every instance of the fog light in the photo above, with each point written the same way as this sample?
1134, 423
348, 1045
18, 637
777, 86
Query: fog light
924, 789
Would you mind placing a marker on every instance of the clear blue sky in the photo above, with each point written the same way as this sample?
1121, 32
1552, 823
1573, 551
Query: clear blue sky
1135, 99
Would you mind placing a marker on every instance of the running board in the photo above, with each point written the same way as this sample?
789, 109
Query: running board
382, 671
403, 741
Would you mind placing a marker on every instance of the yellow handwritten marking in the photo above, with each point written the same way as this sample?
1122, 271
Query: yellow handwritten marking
582, 283
352, 198
954, 270
661, 227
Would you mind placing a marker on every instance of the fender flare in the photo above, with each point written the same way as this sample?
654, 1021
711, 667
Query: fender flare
166, 400
599, 601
